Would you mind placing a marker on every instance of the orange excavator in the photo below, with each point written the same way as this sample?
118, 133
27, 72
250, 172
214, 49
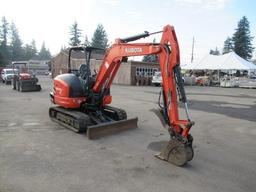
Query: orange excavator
83, 99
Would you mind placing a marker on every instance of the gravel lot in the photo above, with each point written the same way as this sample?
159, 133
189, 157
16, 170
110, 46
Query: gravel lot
37, 155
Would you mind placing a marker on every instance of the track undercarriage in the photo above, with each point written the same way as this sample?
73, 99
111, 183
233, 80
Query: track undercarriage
98, 123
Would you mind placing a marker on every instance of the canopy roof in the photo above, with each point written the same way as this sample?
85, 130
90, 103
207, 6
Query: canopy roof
221, 62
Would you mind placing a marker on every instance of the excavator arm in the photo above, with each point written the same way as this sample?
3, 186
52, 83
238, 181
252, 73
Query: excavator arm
169, 61
172, 86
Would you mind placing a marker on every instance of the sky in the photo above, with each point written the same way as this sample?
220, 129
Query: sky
210, 22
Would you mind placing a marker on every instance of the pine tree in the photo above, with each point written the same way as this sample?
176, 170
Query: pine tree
4, 31
33, 45
30, 51
16, 50
243, 40
75, 34
4, 50
228, 46
86, 41
44, 53
100, 38
214, 52
63, 48
150, 58
2, 60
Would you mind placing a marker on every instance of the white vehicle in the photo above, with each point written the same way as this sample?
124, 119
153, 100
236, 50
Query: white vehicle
7, 75
157, 78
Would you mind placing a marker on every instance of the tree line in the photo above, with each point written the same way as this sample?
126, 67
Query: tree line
13, 49
240, 42
99, 38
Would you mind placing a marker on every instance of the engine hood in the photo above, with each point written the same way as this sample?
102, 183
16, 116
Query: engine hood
25, 76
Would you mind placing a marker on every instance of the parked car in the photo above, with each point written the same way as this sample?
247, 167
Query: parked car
253, 77
157, 78
7, 75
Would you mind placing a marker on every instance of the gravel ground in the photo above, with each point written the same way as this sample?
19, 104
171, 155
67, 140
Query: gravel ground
37, 155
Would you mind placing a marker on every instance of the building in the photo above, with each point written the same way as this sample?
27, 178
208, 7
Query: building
129, 73
37, 67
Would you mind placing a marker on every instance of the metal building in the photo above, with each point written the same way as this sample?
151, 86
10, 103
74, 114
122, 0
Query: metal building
129, 73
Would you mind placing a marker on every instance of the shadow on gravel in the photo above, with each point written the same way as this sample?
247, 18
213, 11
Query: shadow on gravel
234, 110
157, 145
223, 95
209, 94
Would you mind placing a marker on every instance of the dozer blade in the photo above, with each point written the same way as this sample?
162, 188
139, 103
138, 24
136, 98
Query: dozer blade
176, 152
99, 130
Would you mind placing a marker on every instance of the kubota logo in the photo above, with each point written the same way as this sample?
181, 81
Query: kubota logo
133, 50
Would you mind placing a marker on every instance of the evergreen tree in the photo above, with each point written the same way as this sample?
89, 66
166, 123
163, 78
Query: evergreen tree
1, 60
150, 58
100, 38
30, 51
16, 50
228, 46
243, 40
75, 34
63, 48
4, 50
4, 31
33, 45
86, 41
44, 53
215, 52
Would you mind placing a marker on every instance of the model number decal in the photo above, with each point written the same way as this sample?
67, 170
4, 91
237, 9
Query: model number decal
133, 50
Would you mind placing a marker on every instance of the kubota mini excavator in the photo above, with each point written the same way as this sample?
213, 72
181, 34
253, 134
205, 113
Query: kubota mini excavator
84, 99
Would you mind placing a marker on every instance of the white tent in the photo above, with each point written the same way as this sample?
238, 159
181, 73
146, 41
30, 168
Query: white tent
227, 61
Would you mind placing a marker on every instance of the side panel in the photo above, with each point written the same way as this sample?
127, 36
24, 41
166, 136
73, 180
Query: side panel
62, 95
70, 103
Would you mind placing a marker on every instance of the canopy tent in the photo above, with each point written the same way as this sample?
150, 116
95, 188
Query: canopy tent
227, 61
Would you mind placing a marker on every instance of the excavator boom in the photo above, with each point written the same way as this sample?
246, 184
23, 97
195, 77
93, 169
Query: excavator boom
172, 85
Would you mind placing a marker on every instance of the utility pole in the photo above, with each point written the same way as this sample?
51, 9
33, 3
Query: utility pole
192, 55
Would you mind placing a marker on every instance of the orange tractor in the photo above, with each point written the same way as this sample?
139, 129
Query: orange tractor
84, 99
22, 80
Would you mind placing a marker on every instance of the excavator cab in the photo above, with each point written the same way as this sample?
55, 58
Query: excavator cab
78, 81
84, 72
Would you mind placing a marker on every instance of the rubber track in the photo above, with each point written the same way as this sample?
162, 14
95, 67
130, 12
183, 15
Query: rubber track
80, 119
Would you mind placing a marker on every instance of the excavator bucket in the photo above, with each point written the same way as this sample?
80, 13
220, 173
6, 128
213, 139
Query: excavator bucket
103, 129
176, 152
